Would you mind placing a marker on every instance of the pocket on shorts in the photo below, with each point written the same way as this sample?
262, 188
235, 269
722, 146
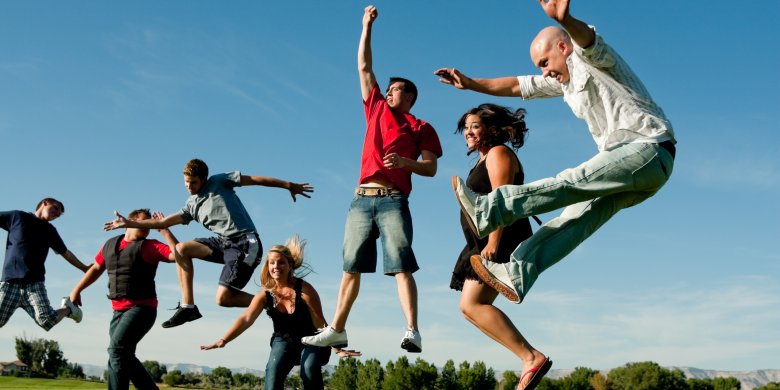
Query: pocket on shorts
252, 251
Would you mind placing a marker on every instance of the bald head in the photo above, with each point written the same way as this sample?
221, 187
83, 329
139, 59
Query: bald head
549, 51
549, 37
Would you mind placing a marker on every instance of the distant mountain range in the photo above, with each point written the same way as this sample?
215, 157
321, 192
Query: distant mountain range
748, 379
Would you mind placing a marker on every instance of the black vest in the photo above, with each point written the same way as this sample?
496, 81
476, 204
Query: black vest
129, 276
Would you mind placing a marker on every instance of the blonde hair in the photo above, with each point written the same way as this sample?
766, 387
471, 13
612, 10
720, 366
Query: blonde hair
292, 251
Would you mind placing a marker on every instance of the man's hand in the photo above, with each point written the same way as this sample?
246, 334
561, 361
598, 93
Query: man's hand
159, 217
300, 189
75, 297
452, 77
369, 16
346, 352
394, 161
118, 223
556, 9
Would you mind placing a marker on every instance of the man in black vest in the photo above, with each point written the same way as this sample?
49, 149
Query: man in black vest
131, 261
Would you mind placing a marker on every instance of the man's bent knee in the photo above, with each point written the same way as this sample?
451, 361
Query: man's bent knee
224, 296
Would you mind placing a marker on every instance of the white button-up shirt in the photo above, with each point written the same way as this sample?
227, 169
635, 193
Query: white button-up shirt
604, 92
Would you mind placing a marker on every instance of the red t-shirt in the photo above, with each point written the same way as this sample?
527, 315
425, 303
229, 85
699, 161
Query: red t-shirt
389, 132
152, 252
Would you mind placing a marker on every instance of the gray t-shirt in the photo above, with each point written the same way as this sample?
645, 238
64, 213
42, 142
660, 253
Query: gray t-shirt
218, 208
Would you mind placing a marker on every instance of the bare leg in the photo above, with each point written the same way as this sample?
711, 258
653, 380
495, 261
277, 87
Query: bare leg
407, 294
348, 292
228, 297
476, 304
185, 252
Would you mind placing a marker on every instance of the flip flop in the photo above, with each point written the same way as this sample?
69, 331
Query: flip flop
537, 373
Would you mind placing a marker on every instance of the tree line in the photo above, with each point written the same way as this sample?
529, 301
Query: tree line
46, 360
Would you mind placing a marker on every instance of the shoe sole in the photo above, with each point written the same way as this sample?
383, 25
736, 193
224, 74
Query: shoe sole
487, 277
410, 347
339, 345
78, 317
469, 221
167, 324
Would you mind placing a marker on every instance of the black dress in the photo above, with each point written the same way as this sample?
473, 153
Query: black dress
479, 182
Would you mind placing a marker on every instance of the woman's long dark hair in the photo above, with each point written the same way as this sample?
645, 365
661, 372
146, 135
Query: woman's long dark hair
501, 125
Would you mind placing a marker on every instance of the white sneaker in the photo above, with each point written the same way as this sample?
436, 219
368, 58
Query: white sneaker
75, 311
412, 342
466, 200
327, 337
496, 276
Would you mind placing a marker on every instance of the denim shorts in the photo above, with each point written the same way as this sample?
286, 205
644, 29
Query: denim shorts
240, 255
383, 217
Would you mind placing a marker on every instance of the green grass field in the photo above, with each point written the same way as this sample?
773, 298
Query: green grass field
7, 382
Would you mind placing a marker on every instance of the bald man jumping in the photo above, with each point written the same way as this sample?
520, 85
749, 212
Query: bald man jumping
636, 148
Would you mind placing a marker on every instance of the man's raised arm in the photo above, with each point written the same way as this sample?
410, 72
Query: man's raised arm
580, 33
364, 58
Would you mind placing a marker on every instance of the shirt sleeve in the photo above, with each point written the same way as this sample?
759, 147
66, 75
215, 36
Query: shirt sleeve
537, 86
99, 259
374, 97
232, 179
429, 140
55, 242
185, 214
599, 54
5, 219
154, 251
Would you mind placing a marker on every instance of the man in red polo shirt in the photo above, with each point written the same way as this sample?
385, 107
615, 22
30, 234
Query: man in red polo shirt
396, 145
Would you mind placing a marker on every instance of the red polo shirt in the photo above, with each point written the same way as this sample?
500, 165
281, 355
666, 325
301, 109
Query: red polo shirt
389, 132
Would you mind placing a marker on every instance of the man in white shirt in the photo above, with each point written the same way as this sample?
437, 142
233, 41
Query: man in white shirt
636, 157
633, 136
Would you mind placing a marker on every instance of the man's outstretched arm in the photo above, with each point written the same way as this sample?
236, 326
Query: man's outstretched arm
365, 58
74, 261
294, 188
500, 86
122, 222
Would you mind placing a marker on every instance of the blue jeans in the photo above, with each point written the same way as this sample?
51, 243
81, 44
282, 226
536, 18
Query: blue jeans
591, 194
286, 354
384, 217
128, 327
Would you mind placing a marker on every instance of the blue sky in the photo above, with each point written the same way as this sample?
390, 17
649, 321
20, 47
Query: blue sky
103, 102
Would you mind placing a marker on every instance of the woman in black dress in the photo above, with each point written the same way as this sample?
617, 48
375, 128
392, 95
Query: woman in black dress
491, 130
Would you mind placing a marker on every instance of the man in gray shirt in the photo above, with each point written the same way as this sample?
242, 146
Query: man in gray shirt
213, 202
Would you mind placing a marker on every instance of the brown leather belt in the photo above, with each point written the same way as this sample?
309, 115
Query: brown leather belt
376, 191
